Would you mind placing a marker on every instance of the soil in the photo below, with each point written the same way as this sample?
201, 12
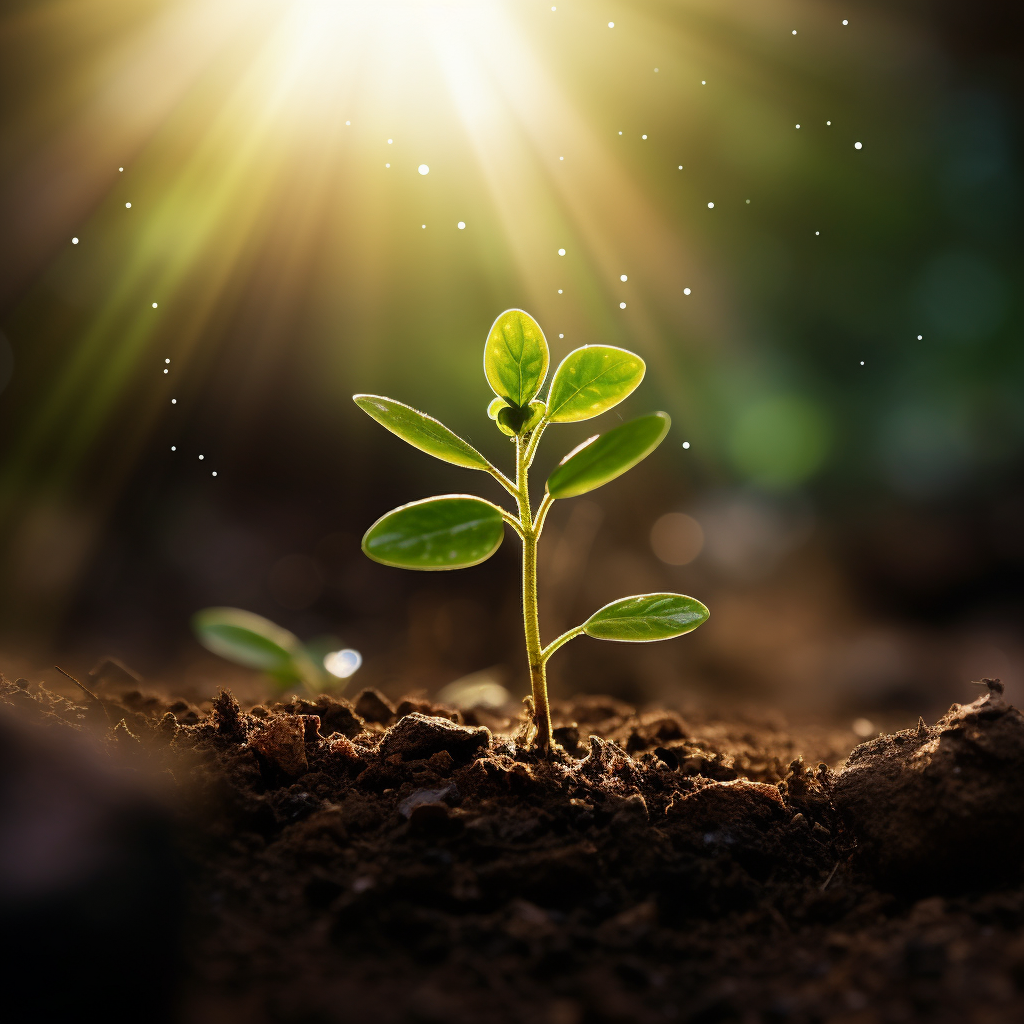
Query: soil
325, 861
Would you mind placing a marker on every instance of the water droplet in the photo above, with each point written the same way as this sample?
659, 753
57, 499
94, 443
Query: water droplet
342, 664
423, 169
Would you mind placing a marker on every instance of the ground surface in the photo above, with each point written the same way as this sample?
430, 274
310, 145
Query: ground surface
343, 862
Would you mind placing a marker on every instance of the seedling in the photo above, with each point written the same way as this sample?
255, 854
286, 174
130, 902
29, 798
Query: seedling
453, 531
249, 639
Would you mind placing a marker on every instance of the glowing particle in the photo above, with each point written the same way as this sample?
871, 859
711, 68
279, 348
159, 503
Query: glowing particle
348, 122
686, 291
711, 206
167, 360
120, 168
387, 165
174, 401
561, 252
623, 277
748, 202
127, 206
423, 169
920, 337
611, 24
655, 70
561, 335
680, 167
74, 241
846, 21
174, 448
794, 31
643, 136
622, 305
817, 233
461, 225
154, 305
686, 444
200, 457
620, 133
828, 123
561, 158
863, 727
554, 8
166, 370
424, 226
559, 291
214, 473
862, 362
390, 141
858, 145
798, 126
342, 664
703, 82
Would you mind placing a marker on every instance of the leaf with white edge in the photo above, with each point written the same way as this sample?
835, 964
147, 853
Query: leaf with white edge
421, 431
255, 642
591, 380
495, 406
603, 458
452, 531
646, 617
516, 357
513, 420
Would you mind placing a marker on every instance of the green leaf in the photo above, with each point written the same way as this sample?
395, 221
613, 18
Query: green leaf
513, 420
495, 406
646, 617
516, 357
592, 379
449, 532
603, 458
255, 642
421, 431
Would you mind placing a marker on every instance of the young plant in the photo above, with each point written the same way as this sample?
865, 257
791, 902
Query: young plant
453, 531
249, 639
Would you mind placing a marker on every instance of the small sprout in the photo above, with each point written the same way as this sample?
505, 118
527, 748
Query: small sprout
453, 531
255, 642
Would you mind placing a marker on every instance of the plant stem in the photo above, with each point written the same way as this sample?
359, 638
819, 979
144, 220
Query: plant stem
531, 621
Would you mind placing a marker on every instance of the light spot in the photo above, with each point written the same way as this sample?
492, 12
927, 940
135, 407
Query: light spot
348, 122
167, 360
622, 305
828, 123
154, 305
174, 401
423, 169
703, 83
390, 141
643, 136
214, 473
655, 70
561, 158
680, 167
559, 291
424, 226
127, 206
794, 31
166, 370
561, 252
561, 335
201, 458
387, 165
74, 241
858, 145
798, 126
620, 133
623, 277
174, 448
686, 291
862, 362
817, 232
461, 225
611, 24
554, 8
120, 168
846, 21
686, 444
863, 727
920, 337
748, 202
676, 538
711, 206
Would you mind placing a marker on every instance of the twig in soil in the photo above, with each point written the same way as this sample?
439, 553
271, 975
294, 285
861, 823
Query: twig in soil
85, 689
831, 874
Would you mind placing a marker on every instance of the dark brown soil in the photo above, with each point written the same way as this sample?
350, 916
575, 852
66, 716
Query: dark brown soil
346, 862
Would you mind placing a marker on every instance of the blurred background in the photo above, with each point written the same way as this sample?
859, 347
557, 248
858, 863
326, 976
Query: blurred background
223, 217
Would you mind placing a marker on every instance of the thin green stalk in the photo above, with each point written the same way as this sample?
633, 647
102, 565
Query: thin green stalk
531, 619
563, 639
